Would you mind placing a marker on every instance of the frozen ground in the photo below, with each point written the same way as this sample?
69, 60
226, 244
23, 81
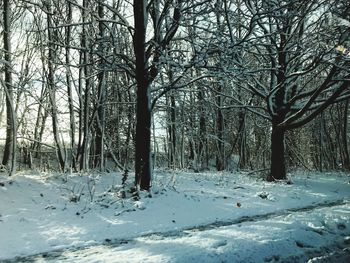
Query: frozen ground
191, 217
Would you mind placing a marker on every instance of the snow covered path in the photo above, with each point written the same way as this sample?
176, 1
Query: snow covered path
316, 240
208, 217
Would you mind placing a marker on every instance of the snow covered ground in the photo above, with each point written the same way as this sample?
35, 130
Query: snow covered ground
190, 217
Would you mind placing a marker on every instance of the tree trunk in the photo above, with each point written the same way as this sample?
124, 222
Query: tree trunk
241, 140
345, 137
321, 142
220, 156
143, 140
143, 105
84, 148
10, 143
69, 87
81, 103
172, 133
130, 132
40, 123
278, 167
51, 87
101, 112
203, 158
84, 155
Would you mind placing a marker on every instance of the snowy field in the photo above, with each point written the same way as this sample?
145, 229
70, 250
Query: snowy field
190, 217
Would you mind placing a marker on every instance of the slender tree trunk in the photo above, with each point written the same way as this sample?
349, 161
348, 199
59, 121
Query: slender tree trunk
51, 88
81, 107
183, 136
69, 87
84, 163
345, 136
84, 149
171, 127
100, 125
100, 120
241, 140
40, 122
143, 107
220, 156
203, 158
2, 104
10, 143
129, 133
321, 142
173, 131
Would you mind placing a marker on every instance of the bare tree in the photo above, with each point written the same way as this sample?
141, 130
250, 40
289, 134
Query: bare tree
305, 75
146, 72
68, 39
101, 92
10, 143
51, 59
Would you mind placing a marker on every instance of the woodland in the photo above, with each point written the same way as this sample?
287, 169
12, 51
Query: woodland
174, 131
253, 85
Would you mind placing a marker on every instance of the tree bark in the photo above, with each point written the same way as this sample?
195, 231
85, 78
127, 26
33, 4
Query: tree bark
69, 87
143, 102
203, 158
220, 156
10, 143
345, 137
278, 166
51, 86
172, 133
84, 148
101, 112
40, 122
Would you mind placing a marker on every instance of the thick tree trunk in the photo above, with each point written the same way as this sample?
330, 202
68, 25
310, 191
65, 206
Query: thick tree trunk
278, 166
143, 140
143, 105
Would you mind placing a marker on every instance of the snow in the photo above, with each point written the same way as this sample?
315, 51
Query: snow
190, 217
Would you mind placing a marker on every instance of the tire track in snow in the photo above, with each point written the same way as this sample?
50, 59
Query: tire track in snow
56, 254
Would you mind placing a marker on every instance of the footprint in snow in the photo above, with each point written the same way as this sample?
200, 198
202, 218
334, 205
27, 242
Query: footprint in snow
341, 226
220, 243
